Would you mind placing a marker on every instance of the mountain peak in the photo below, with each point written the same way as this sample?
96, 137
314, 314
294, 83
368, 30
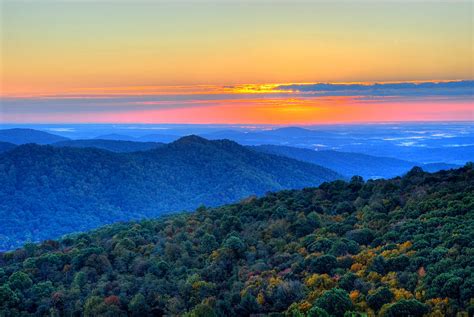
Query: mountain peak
191, 139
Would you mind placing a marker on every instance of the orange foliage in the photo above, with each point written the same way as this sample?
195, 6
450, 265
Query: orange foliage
112, 300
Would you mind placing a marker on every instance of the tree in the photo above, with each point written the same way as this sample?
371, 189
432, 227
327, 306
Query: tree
20, 280
380, 297
317, 312
202, 310
405, 308
335, 301
138, 306
322, 264
235, 244
248, 305
8, 298
209, 243
361, 236
346, 282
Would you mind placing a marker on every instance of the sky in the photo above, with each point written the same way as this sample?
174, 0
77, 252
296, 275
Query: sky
236, 61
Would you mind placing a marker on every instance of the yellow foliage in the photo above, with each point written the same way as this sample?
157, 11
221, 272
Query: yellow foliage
214, 255
390, 253
401, 293
420, 294
406, 245
439, 306
390, 279
374, 277
365, 257
302, 251
260, 298
274, 281
304, 306
313, 295
320, 281
356, 267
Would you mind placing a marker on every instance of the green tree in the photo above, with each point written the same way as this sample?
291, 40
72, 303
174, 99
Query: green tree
335, 301
20, 280
317, 312
380, 297
138, 305
405, 308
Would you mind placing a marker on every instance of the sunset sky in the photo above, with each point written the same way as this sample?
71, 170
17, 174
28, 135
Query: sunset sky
235, 61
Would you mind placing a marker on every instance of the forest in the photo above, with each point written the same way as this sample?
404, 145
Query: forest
48, 191
398, 247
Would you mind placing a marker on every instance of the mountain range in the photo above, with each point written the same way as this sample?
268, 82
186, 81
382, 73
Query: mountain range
347, 163
110, 145
48, 190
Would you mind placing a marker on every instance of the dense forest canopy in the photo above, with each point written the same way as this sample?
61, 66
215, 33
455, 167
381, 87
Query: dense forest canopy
50, 191
399, 247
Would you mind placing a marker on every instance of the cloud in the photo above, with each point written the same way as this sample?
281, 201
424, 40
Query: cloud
461, 89
317, 102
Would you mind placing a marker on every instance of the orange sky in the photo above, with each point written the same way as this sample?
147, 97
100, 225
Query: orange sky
83, 49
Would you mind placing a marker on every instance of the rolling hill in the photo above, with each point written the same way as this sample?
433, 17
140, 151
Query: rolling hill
348, 163
110, 145
388, 248
23, 136
48, 191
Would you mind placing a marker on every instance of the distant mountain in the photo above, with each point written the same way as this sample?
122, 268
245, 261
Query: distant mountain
161, 138
23, 136
48, 191
164, 138
111, 145
350, 164
113, 136
6, 146
293, 132
437, 143
280, 136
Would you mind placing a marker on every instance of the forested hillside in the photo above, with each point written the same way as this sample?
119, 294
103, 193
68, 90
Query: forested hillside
50, 191
5, 146
400, 247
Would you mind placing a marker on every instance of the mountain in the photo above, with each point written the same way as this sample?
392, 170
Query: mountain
23, 136
425, 143
400, 247
164, 138
280, 136
114, 136
5, 146
48, 191
294, 132
111, 145
160, 138
347, 163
